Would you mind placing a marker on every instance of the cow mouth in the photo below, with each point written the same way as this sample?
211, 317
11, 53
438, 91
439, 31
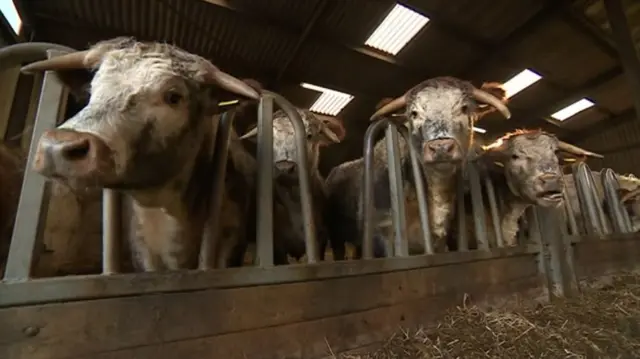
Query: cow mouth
552, 196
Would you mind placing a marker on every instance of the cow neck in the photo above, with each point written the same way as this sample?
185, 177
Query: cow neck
514, 208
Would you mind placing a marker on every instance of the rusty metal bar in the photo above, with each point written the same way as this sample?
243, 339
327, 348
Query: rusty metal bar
25, 232
493, 207
587, 198
368, 205
617, 213
111, 231
210, 255
418, 171
396, 192
463, 241
303, 174
477, 206
264, 191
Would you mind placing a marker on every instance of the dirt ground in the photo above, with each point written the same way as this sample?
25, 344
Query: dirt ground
604, 322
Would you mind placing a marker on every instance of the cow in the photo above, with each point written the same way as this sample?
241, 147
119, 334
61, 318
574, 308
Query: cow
148, 131
525, 168
11, 171
320, 131
628, 192
442, 112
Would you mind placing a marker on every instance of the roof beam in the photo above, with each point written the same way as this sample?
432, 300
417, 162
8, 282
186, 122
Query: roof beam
607, 124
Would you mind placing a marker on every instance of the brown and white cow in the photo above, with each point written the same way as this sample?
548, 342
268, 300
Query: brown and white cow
442, 112
149, 130
288, 224
525, 168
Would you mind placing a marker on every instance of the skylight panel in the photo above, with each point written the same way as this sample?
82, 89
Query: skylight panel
330, 102
572, 109
396, 30
521, 81
479, 130
11, 14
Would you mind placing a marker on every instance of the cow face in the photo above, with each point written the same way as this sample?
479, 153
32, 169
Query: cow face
320, 131
149, 109
531, 165
442, 112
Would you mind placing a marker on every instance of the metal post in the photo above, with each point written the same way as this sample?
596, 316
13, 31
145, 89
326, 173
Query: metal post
463, 242
493, 207
111, 231
616, 210
264, 191
477, 206
587, 199
25, 232
396, 192
306, 200
418, 172
209, 248
571, 216
626, 47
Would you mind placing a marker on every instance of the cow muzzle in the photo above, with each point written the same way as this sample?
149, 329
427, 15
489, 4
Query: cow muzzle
549, 189
286, 167
441, 150
74, 156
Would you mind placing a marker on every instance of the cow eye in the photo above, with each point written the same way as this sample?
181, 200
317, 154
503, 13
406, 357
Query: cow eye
464, 109
413, 114
514, 156
172, 98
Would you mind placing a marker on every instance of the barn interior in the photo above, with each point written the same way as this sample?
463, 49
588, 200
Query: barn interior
566, 68
568, 46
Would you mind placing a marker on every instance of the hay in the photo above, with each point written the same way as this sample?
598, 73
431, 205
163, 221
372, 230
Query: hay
602, 323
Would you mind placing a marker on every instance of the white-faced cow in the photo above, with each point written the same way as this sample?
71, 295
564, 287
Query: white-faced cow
288, 224
149, 130
525, 168
442, 112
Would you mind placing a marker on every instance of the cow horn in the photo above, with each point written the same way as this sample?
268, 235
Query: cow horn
392, 106
330, 134
14, 55
488, 98
630, 195
252, 133
231, 84
577, 150
74, 60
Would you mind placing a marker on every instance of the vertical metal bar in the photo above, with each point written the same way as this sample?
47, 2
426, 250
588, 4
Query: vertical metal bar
264, 192
25, 233
477, 206
493, 206
597, 202
418, 172
368, 205
571, 216
111, 231
626, 47
585, 192
615, 208
306, 200
463, 241
544, 255
209, 248
396, 191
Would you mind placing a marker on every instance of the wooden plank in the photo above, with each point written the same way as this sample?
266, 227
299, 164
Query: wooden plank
91, 287
596, 258
96, 326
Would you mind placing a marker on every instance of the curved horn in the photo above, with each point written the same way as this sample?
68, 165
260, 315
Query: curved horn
630, 195
17, 54
252, 133
74, 60
330, 134
577, 150
392, 106
232, 84
488, 98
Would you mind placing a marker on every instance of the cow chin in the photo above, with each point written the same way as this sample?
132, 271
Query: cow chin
548, 199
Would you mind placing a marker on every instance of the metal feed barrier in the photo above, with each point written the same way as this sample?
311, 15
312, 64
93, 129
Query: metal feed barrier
552, 249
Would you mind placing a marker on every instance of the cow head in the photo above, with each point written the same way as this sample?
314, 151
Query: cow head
442, 112
531, 164
320, 131
149, 108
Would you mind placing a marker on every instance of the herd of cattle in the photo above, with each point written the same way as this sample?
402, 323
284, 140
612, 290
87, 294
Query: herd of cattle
149, 127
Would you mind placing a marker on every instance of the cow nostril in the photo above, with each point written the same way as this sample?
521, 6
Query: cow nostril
77, 150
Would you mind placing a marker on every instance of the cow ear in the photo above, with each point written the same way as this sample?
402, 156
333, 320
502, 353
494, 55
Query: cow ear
335, 126
77, 81
496, 90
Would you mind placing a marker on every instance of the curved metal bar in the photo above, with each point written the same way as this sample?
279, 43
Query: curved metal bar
15, 55
396, 192
209, 247
493, 207
303, 173
477, 206
264, 190
417, 171
587, 198
617, 213
367, 195
111, 231
569, 214
597, 202
463, 241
